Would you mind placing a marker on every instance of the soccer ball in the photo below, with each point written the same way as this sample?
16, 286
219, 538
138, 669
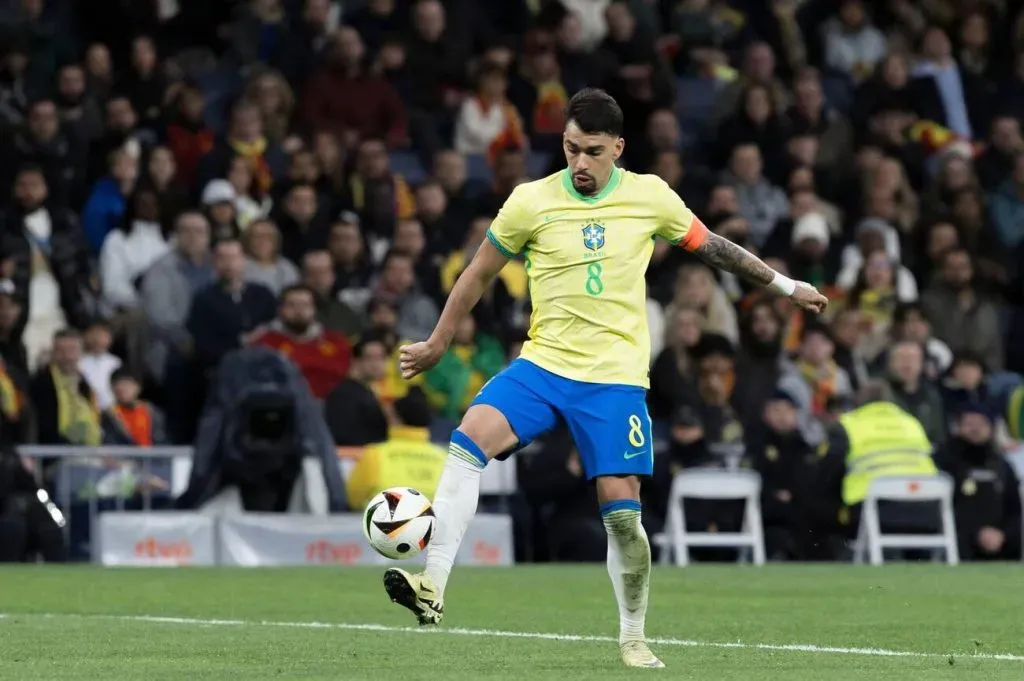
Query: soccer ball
398, 522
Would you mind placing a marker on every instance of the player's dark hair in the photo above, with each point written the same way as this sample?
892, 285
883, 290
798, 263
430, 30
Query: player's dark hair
595, 112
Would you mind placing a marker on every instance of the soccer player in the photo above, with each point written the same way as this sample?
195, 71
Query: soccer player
587, 234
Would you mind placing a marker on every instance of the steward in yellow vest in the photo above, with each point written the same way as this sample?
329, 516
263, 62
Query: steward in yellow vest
407, 459
883, 440
877, 439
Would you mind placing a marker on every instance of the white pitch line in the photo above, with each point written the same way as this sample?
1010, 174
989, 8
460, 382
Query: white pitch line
535, 635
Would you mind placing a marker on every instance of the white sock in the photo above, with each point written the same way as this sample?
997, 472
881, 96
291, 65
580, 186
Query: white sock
454, 506
629, 566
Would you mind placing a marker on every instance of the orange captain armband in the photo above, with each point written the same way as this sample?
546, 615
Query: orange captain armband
695, 236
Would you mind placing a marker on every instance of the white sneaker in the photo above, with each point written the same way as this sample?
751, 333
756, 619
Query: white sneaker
637, 654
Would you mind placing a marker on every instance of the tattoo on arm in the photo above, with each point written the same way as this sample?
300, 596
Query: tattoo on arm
719, 252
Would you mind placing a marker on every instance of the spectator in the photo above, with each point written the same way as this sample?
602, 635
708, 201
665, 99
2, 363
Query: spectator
65, 406
913, 393
814, 379
120, 133
245, 138
322, 355
12, 350
375, 20
352, 269
144, 83
939, 67
696, 287
14, 92
129, 251
811, 114
161, 177
220, 206
488, 121
335, 315
105, 209
269, 92
261, 32
540, 94
758, 69
960, 315
874, 235
129, 421
910, 323
442, 231
673, 371
353, 412
512, 276
409, 239
42, 143
809, 243
787, 464
759, 360
302, 228
99, 71
417, 313
250, 205
987, 503
406, 458
1007, 206
345, 99
187, 134
97, 365
852, 44
875, 297
379, 195
965, 382
937, 237
264, 264
437, 67
471, 360
760, 202
48, 262
755, 123
847, 331
1004, 144
79, 111
227, 311
168, 289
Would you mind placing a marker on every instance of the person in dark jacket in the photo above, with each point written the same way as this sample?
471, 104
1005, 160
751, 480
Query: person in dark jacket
43, 144
787, 464
122, 132
987, 503
31, 228
66, 410
354, 414
227, 311
913, 392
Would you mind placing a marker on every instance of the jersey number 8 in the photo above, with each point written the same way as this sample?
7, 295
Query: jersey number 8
594, 284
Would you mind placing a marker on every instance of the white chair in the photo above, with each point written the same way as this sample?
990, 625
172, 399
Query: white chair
713, 484
872, 542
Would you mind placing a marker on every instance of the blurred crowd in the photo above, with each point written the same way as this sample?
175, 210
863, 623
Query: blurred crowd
186, 178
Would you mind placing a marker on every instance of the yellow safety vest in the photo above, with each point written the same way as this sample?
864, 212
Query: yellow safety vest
884, 440
407, 459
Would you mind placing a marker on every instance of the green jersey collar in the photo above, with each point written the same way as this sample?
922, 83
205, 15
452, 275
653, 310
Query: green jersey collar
613, 182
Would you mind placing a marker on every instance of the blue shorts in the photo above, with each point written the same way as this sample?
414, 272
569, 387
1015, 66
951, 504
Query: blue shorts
608, 422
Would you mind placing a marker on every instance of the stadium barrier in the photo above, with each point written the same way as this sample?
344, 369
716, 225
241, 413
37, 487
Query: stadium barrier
268, 539
88, 479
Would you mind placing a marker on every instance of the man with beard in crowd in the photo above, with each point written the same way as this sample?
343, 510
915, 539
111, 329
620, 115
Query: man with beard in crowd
987, 503
322, 355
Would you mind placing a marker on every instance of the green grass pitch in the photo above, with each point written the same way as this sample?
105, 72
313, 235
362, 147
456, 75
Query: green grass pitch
834, 622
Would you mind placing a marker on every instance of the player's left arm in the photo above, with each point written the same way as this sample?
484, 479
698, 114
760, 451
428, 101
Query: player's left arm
719, 252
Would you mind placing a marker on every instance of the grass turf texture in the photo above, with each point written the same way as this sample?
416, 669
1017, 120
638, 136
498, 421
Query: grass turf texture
73, 623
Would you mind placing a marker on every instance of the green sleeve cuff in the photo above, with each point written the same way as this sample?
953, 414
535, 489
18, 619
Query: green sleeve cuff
497, 244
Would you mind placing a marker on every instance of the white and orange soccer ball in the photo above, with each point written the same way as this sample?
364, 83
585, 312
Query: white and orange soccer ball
398, 522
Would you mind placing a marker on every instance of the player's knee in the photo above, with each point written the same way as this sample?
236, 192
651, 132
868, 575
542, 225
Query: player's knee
488, 429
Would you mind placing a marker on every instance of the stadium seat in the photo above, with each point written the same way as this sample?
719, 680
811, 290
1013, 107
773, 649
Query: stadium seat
713, 484
871, 541
407, 164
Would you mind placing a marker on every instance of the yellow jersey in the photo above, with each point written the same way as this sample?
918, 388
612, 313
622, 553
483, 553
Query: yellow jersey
586, 257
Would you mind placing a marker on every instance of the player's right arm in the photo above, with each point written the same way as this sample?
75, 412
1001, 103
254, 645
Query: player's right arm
506, 237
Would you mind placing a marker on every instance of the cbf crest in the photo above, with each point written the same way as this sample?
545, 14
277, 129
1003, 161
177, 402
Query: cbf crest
593, 236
